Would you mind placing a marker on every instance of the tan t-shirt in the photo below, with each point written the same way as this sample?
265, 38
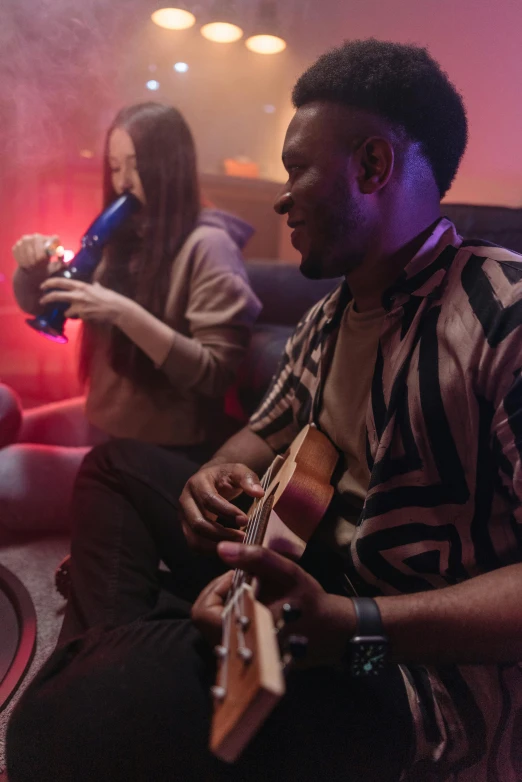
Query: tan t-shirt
343, 414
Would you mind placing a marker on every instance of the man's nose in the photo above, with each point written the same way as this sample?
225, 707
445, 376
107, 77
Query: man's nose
284, 203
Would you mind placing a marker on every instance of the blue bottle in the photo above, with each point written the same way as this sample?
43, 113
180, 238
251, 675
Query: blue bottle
51, 321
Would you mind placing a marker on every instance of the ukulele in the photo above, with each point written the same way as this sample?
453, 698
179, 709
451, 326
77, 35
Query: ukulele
250, 678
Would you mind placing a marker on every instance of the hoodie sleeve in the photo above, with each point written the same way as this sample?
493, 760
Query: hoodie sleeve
220, 313
26, 286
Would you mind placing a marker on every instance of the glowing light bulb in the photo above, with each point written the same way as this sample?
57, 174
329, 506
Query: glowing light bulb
153, 85
265, 44
67, 255
173, 18
221, 32
180, 67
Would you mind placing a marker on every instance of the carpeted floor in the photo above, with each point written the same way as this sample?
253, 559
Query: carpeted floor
34, 562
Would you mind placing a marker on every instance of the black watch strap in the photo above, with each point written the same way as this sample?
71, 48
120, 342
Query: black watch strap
368, 617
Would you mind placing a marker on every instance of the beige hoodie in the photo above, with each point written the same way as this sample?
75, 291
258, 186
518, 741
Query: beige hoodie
211, 310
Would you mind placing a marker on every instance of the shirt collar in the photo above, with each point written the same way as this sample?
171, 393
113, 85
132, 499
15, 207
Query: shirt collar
422, 276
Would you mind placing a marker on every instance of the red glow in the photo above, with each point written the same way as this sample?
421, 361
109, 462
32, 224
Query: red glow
59, 202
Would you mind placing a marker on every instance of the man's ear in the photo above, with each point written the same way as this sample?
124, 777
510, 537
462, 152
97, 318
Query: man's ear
376, 161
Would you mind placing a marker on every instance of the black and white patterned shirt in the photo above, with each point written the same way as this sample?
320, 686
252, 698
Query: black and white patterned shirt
444, 443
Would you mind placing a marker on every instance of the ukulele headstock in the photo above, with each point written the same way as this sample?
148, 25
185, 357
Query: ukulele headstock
250, 675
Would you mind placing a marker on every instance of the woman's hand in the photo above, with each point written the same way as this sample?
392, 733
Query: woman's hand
90, 302
30, 252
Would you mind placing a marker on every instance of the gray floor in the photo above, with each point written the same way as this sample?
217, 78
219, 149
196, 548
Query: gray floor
34, 562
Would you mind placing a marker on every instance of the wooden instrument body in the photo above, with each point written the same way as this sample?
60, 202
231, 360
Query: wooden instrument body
250, 674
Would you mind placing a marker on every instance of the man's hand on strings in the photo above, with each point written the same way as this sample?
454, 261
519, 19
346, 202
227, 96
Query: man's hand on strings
208, 516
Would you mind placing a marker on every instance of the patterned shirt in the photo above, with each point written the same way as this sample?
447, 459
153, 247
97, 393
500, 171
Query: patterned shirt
444, 440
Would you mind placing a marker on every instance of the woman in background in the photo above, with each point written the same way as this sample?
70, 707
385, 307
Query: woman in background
166, 321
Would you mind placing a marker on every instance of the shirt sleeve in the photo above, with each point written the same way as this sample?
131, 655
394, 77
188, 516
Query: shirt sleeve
26, 286
500, 380
221, 311
288, 403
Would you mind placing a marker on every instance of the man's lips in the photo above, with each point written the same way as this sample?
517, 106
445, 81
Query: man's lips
296, 225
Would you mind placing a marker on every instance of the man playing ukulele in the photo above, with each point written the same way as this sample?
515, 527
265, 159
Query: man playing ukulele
409, 591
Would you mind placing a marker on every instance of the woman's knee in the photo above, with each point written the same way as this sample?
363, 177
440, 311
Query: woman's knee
118, 455
120, 459
10, 415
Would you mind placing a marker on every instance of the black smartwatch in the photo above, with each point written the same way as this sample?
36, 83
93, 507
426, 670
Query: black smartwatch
367, 651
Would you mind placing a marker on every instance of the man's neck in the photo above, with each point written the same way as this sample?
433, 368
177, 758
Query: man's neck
381, 267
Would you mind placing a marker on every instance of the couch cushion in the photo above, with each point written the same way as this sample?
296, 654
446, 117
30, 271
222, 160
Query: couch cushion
268, 342
283, 291
497, 224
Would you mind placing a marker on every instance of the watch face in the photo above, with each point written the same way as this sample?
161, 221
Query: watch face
369, 656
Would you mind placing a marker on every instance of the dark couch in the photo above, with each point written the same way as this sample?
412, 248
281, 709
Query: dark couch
285, 295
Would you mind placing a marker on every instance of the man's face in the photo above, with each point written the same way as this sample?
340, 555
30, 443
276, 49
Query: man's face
321, 197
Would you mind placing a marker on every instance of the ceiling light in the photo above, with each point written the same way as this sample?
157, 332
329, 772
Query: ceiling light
265, 44
180, 67
222, 27
173, 18
153, 85
221, 32
265, 38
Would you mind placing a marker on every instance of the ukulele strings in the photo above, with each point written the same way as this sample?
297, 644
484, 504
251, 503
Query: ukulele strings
252, 528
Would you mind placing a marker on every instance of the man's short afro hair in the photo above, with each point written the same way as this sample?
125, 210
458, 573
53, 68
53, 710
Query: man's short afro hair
402, 83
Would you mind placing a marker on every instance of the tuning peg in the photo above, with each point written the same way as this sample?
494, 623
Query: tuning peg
290, 613
298, 647
245, 653
218, 692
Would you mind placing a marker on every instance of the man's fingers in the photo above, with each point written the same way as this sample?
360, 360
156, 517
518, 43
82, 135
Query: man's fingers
260, 562
247, 480
196, 543
216, 532
201, 525
215, 592
204, 499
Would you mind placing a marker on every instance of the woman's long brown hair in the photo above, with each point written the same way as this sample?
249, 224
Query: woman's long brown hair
138, 262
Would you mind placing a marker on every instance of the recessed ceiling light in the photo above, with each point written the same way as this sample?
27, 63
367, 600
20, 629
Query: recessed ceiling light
265, 44
180, 67
173, 18
221, 32
153, 85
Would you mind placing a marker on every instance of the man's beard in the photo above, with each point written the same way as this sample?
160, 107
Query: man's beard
335, 252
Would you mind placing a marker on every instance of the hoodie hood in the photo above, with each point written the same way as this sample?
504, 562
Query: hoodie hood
238, 230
